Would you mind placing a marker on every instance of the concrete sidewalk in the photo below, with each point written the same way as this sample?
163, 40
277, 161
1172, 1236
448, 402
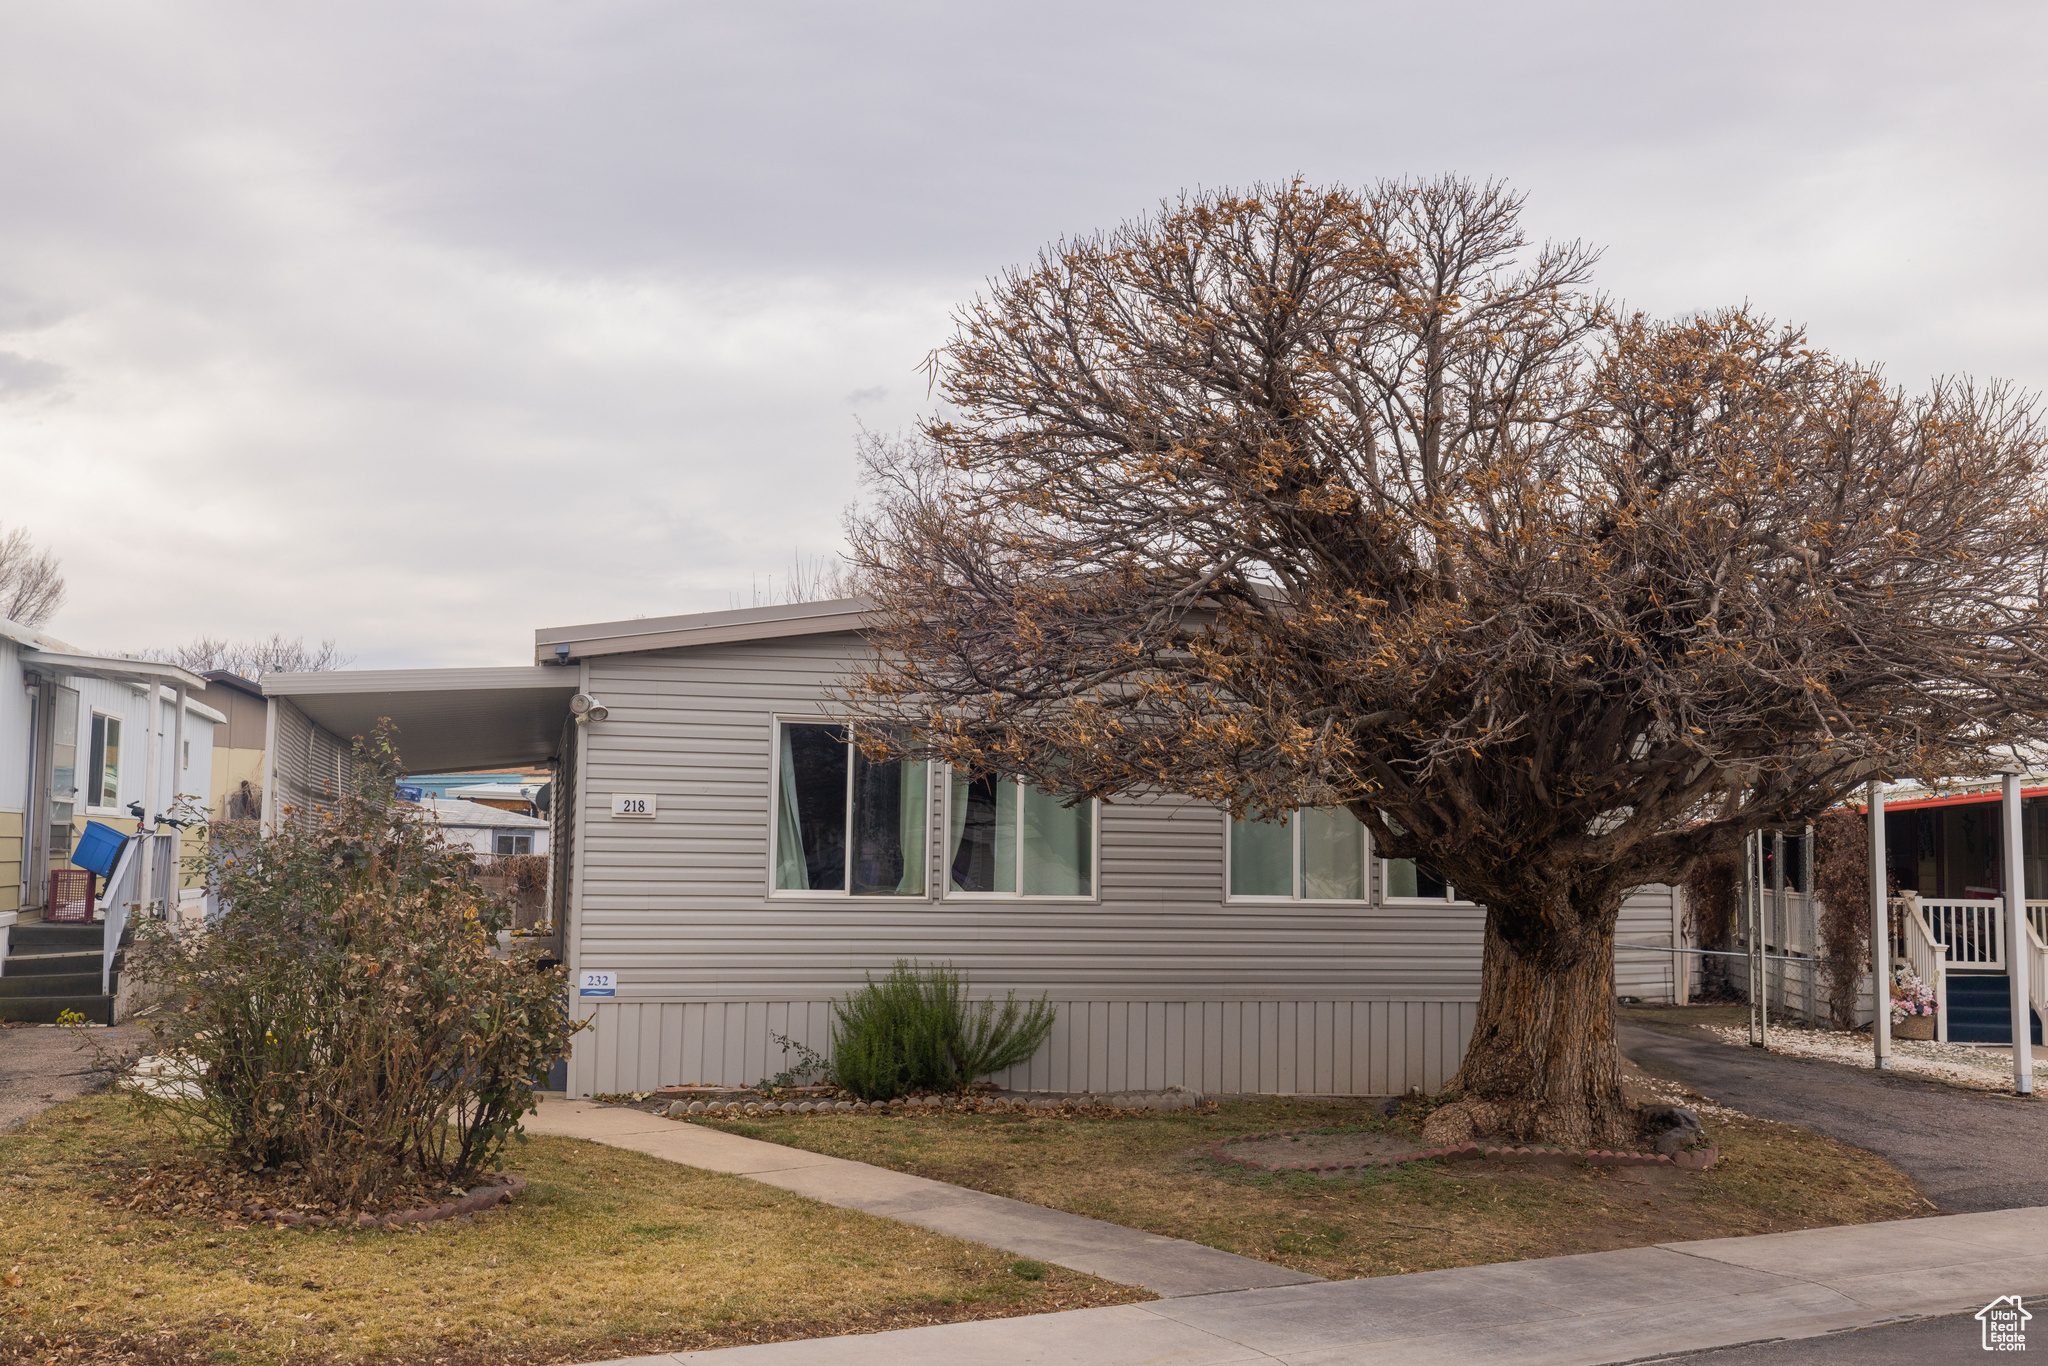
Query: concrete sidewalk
1165, 1266
1590, 1310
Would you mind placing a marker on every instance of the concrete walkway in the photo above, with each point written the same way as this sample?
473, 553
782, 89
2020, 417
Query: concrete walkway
1590, 1310
1165, 1266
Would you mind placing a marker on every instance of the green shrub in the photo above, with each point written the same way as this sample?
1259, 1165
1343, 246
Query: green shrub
916, 1031
345, 1012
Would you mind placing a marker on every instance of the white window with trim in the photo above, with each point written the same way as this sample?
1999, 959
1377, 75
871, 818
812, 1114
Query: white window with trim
844, 824
508, 843
1006, 838
1410, 880
1314, 855
103, 766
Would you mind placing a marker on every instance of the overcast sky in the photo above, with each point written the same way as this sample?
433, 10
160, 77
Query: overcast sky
420, 326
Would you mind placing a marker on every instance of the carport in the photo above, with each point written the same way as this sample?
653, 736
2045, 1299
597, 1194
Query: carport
444, 720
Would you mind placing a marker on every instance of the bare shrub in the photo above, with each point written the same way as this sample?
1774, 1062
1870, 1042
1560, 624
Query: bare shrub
346, 1013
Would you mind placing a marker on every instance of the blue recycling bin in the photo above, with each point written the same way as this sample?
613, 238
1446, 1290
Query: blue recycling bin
97, 848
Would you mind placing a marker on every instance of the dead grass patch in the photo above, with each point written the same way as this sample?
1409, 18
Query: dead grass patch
1151, 1171
609, 1253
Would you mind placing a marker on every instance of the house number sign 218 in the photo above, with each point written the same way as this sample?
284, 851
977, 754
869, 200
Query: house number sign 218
636, 804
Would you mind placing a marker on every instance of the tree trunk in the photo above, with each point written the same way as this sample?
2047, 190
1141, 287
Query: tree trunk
1542, 1064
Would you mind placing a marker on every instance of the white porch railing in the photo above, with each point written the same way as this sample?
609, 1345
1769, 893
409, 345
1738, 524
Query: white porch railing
121, 897
1912, 942
127, 901
2037, 964
1969, 930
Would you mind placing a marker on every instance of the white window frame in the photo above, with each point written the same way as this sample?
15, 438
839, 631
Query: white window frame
1449, 898
1295, 898
948, 892
515, 837
114, 807
845, 893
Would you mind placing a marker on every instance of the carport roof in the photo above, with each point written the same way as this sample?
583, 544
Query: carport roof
560, 644
448, 720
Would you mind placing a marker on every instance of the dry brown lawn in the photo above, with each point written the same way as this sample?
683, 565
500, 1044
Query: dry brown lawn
608, 1254
1152, 1171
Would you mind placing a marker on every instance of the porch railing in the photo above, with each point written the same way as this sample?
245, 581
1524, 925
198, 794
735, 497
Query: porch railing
1912, 942
1969, 930
2037, 965
127, 900
123, 887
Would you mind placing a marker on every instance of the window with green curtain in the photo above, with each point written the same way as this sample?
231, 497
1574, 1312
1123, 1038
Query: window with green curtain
1006, 837
1313, 855
845, 822
1262, 857
1332, 855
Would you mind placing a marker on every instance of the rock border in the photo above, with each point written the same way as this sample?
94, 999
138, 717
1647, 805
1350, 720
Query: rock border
1697, 1160
478, 1200
1063, 1103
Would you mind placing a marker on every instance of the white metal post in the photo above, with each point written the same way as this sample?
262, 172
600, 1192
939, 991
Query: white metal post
152, 726
2015, 932
1880, 934
171, 899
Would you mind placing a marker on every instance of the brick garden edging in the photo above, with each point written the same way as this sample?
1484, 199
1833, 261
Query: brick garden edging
1697, 1161
478, 1200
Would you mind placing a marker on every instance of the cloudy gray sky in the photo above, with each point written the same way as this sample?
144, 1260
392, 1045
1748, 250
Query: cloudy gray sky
420, 326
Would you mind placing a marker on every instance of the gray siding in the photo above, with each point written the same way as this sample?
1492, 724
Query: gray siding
1650, 916
1159, 980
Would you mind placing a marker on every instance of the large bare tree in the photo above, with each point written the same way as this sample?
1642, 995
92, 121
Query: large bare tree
1302, 497
31, 580
255, 657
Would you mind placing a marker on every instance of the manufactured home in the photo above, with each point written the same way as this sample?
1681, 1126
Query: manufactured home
90, 738
726, 863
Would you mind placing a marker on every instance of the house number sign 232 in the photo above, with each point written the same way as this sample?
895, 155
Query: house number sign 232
633, 805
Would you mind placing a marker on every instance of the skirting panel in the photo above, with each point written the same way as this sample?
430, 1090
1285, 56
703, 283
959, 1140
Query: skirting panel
1370, 1048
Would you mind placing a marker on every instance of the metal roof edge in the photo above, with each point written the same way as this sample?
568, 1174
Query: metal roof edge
331, 681
99, 666
703, 628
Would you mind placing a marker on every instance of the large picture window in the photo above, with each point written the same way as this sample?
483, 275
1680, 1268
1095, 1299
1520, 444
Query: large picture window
103, 773
1006, 838
844, 823
1314, 855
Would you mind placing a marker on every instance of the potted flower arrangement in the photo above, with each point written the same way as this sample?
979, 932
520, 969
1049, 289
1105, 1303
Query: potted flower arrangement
1912, 1005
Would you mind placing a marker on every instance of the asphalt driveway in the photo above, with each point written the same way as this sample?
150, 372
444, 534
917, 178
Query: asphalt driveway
1966, 1150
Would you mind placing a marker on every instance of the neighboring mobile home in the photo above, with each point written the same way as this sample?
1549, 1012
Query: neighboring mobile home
731, 861
87, 737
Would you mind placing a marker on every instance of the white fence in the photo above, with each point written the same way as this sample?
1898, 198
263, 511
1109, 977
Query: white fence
1776, 910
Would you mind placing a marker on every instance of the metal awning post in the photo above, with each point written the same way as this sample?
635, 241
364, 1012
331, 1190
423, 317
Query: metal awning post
152, 727
177, 768
2015, 932
1880, 934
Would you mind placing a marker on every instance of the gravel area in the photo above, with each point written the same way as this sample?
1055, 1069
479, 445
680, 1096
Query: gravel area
1958, 1064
